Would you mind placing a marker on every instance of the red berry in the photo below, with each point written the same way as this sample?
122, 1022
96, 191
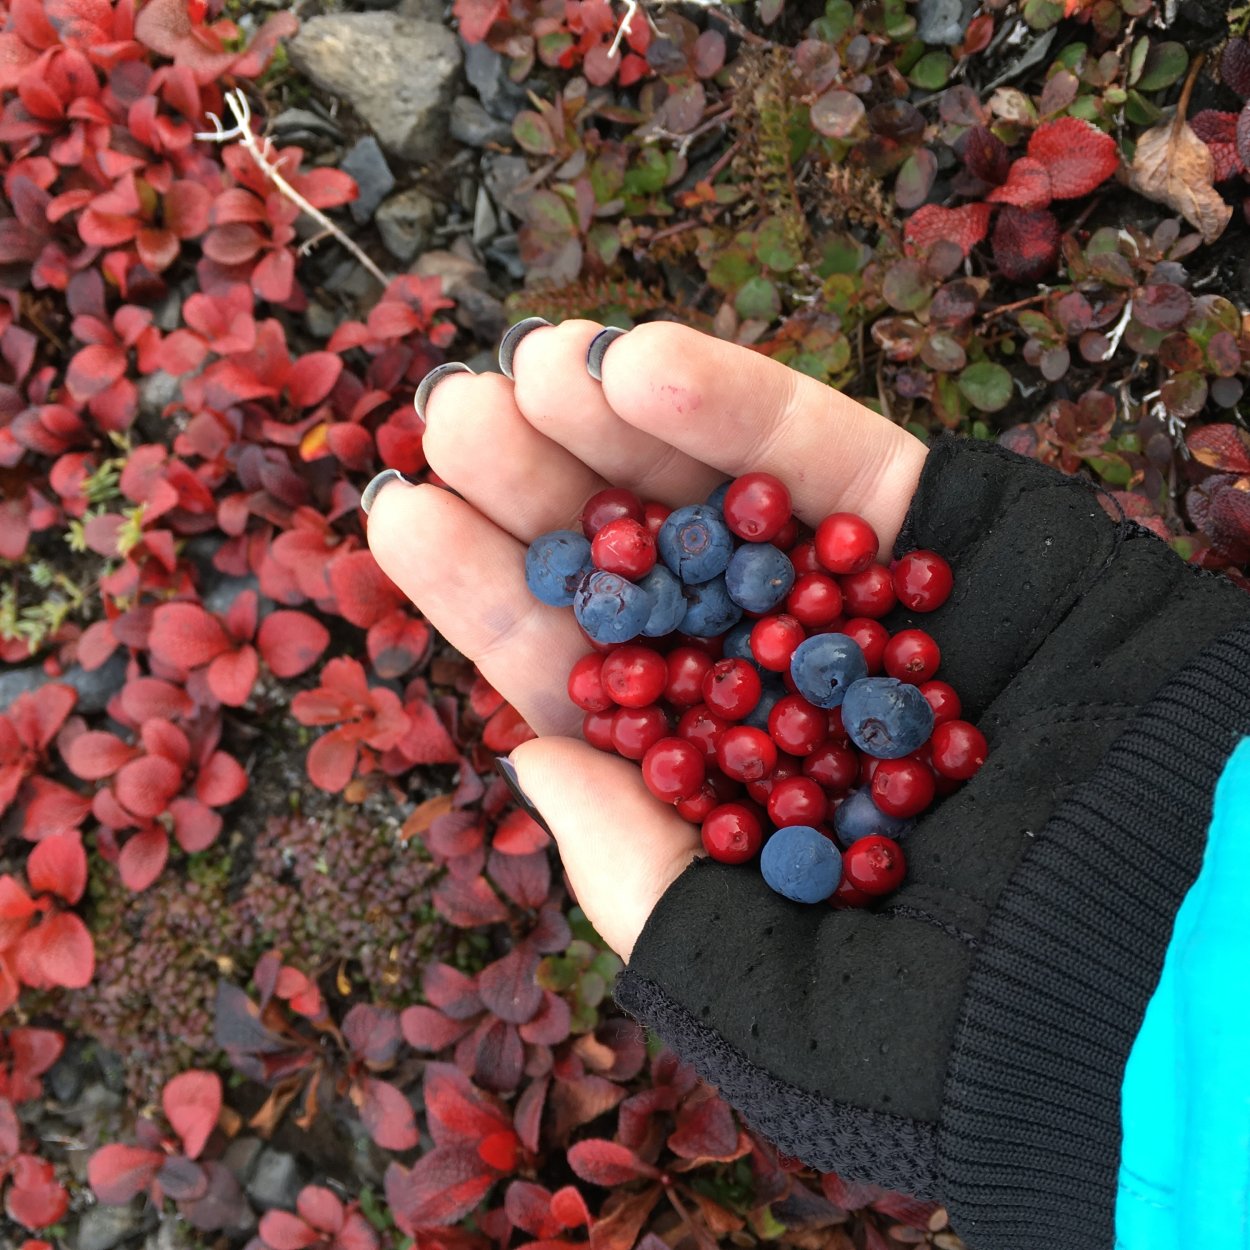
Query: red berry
774, 639
837, 730
942, 698
872, 637
787, 766
746, 753
727, 789
714, 646
607, 506
868, 593
959, 749
815, 600
635, 675
796, 725
604, 648
803, 557
867, 768
696, 808
756, 506
635, 729
845, 543
586, 687
654, 515
597, 729
846, 895
797, 801
912, 656
903, 787
624, 546
673, 769
703, 727
732, 688
922, 580
874, 865
732, 833
687, 667
787, 535
834, 765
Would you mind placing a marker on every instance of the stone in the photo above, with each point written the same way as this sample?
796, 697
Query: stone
485, 222
103, 1227
241, 1155
398, 73
472, 124
220, 592
943, 21
275, 1182
292, 125
156, 391
502, 175
481, 314
488, 76
374, 179
406, 223
95, 688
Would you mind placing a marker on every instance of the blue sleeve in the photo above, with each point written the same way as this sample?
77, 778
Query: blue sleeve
1184, 1175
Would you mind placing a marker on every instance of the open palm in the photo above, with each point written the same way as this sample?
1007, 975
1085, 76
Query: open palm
676, 414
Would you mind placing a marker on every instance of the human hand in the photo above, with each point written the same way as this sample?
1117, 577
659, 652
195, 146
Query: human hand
677, 413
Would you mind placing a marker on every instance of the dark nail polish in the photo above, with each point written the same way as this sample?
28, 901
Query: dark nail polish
370, 493
598, 347
507, 770
512, 339
432, 379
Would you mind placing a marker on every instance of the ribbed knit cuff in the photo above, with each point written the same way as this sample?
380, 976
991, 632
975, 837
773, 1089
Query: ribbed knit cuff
1029, 1138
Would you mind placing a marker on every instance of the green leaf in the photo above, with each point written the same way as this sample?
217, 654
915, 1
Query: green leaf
1042, 14
772, 248
758, 299
1165, 64
529, 129
931, 72
1140, 111
1137, 59
986, 386
839, 14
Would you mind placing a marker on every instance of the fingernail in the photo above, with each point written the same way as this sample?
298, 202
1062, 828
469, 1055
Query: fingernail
598, 348
511, 340
507, 770
374, 489
432, 379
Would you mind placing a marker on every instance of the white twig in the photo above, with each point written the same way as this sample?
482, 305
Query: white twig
631, 8
1113, 340
631, 11
242, 132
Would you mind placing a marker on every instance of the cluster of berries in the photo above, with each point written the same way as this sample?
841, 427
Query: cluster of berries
770, 706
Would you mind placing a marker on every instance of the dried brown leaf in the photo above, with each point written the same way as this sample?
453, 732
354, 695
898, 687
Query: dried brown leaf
1174, 167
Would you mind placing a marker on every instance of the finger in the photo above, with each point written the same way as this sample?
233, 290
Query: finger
619, 869
468, 579
478, 442
742, 412
557, 396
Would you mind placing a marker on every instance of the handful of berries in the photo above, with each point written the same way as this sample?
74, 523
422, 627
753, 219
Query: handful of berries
769, 704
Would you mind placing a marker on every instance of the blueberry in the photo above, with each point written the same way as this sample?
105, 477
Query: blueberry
774, 689
824, 666
610, 608
665, 590
759, 576
554, 564
695, 543
885, 717
857, 816
709, 609
800, 863
717, 498
737, 643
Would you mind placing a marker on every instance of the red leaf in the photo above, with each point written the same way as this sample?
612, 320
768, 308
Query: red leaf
505, 731
35, 1198
397, 642
94, 369
95, 755
332, 760
443, 1186
1077, 155
1027, 186
196, 826
292, 642
372, 1033
508, 988
427, 1029
519, 834
232, 675
146, 785
986, 156
221, 780
118, 1172
143, 858
1026, 243
61, 949
451, 991
476, 17
705, 1128
146, 697
34, 1052
187, 206
272, 279
1220, 446
58, 865
280, 1230
966, 226
192, 1103
608, 1163
328, 188
363, 593
457, 1112
320, 1208
313, 377
1219, 132
387, 1115
15, 57
185, 636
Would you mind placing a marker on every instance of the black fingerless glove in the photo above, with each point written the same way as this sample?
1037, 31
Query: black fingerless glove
966, 1039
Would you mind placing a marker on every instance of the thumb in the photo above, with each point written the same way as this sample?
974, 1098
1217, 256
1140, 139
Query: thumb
621, 846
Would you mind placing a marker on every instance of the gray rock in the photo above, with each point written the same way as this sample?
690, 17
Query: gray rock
374, 179
406, 223
481, 313
320, 321
472, 124
943, 21
221, 592
426, 10
352, 279
156, 391
488, 76
299, 122
276, 1180
94, 688
485, 222
504, 251
102, 1227
398, 73
502, 176
241, 1155
66, 1077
